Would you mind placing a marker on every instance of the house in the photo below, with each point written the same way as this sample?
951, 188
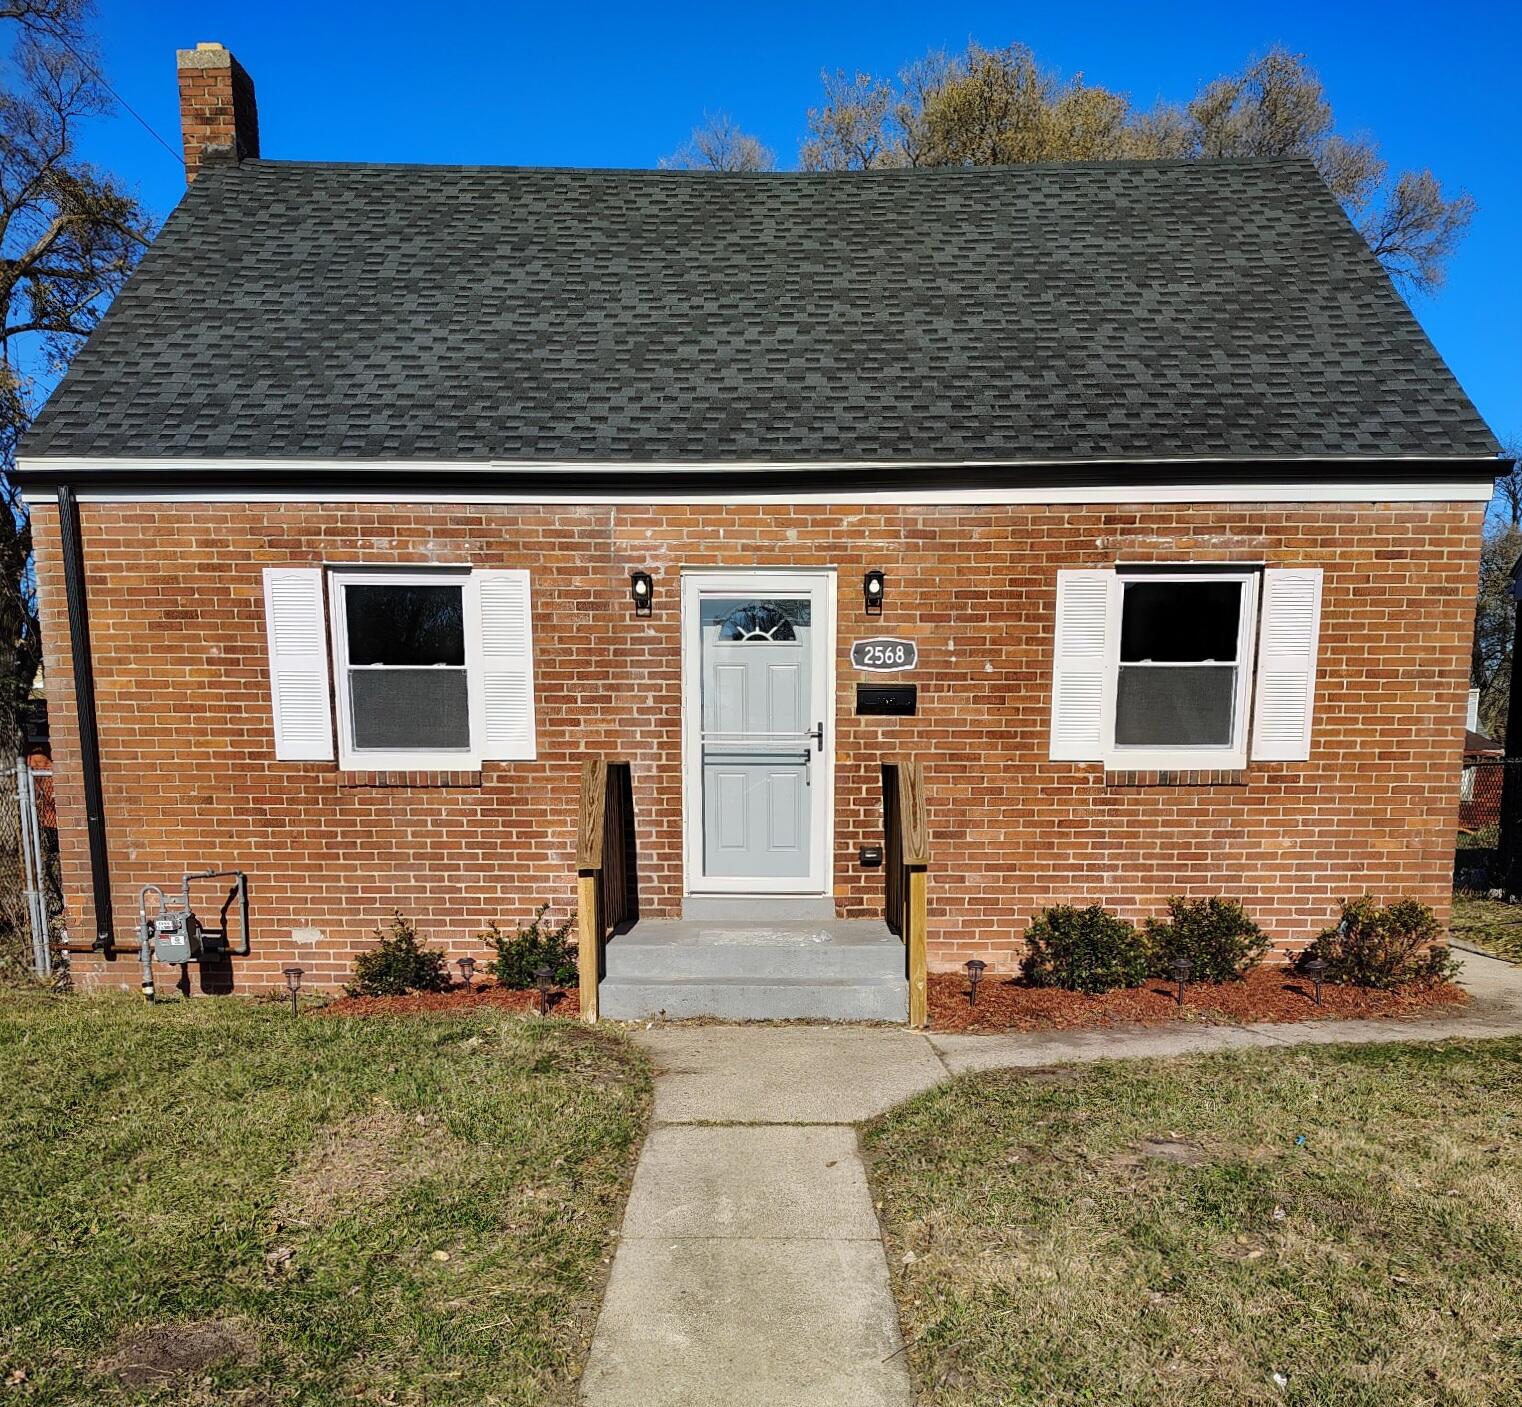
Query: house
930, 544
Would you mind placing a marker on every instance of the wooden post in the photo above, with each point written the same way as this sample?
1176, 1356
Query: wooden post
914, 936
914, 851
589, 861
589, 954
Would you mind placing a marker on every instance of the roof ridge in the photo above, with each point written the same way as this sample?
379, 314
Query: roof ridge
1008, 168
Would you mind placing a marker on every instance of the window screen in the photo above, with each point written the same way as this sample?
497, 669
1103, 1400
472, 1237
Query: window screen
408, 689
1177, 680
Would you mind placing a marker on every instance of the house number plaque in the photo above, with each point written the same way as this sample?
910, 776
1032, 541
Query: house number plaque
884, 655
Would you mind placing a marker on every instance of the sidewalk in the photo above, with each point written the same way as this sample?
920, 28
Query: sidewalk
750, 1266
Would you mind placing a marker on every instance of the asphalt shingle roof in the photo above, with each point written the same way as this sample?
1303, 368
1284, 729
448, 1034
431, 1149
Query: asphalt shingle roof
1117, 310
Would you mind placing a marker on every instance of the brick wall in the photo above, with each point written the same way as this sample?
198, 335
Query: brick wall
217, 106
190, 778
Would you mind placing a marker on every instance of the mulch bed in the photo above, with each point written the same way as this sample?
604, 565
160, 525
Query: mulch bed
458, 998
1006, 1004
1270, 993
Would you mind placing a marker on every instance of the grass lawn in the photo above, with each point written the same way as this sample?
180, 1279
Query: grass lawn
393, 1210
1489, 924
1178, 1232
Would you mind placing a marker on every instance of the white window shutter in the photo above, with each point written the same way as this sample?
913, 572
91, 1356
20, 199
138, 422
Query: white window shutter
298, 663
1079, 665
507, 665
1287, 635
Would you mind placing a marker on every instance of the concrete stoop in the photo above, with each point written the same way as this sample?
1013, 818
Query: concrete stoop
835, 970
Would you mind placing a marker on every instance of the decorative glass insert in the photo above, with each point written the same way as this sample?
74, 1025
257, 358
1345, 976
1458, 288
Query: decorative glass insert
762, 622
408, 685
1177, 681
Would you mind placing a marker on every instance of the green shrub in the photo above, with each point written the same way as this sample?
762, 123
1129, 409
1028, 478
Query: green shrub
1216, 936
1083, 950
398, 965
1387, 947
524, 950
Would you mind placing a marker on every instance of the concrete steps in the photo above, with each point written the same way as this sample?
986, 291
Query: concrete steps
837, 970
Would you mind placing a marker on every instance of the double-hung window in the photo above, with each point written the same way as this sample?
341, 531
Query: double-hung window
1181, 674
1184, 668
432, 668
408, 661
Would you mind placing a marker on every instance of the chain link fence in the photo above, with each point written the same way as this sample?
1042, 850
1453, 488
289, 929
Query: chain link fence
31, 897
1485, 812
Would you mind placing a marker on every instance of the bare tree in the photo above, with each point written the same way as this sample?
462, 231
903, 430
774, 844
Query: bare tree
57, 19
858, 128
1416, 229
1495, 627
1495, 609
69, 237
1508, 498
995, 106
720, 145
1277, 107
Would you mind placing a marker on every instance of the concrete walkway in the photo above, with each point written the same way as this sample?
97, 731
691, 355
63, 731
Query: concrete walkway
751, 1268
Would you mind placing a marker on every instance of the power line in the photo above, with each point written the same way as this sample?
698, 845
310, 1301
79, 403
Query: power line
104, 83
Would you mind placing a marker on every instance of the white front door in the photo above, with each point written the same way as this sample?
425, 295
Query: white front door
758, 664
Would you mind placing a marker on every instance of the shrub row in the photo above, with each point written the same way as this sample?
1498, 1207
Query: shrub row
1092, 950
400, 963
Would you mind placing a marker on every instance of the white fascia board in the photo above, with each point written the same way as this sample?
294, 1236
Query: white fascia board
1092, 482
65, 465
1135, 494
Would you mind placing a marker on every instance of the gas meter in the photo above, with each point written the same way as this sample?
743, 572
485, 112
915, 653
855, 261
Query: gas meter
170, 932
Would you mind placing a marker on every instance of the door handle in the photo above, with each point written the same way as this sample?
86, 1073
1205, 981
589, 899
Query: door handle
818, 736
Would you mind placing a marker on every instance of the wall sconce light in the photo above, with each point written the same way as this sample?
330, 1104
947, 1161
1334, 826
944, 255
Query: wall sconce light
292, 977
642, 589
872, 588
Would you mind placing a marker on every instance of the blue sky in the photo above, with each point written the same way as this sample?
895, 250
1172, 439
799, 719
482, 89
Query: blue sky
621, 84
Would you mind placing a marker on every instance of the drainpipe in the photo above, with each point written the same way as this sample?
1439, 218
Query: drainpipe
84, 707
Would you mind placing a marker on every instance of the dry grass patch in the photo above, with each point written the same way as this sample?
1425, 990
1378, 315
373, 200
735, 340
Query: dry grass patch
1338, 1227
408, 1210
159, 1354
363, 1160
1489, 924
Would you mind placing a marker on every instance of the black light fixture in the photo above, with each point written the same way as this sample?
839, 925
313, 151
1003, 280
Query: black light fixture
467, 968
1315, 969
1181, 968
872, 588
975, 969
642, 590
542, 976
292, 984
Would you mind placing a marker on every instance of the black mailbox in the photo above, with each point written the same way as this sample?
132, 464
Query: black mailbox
890, 700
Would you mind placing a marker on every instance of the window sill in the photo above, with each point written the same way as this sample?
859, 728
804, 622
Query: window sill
350, 781
1178, 777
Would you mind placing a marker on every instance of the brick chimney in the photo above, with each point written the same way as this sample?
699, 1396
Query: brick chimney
218, 117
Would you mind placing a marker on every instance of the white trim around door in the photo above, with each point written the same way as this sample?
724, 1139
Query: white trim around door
820, 588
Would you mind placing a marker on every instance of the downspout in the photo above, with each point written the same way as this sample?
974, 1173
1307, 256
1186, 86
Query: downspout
84, 706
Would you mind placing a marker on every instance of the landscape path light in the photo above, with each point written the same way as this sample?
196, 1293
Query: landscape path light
542, 976
1315, 969
1181, 968
467, 968
292, 983
975, 969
